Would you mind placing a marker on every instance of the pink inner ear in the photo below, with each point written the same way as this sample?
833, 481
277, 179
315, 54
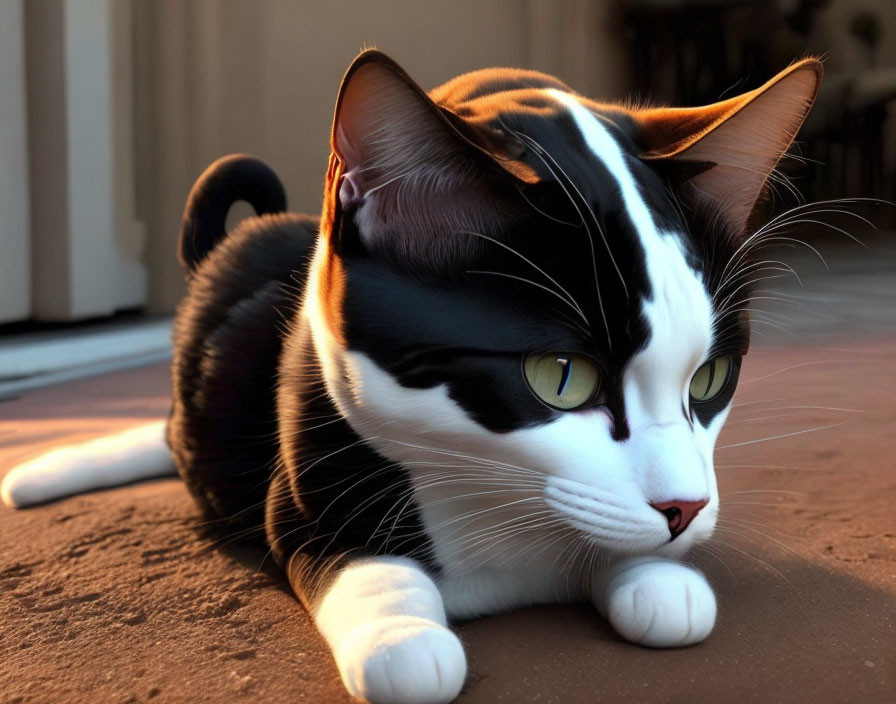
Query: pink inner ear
350, 188
346, 149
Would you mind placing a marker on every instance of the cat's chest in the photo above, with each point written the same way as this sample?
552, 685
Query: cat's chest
486, 581
477, 518
495, 545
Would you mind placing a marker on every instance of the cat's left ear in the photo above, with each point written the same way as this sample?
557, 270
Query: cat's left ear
416, 173
720, 156
384, 124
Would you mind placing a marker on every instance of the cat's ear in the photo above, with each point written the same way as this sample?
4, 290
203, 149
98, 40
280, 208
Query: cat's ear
721, 155
384, 123
414, 170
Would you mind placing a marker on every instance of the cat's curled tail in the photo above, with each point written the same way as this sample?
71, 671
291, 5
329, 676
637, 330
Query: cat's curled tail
229, 179
113, 460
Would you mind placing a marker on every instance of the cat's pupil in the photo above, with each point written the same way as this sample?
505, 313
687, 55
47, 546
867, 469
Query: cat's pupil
711, 379
710, 376
563, 381
566, 364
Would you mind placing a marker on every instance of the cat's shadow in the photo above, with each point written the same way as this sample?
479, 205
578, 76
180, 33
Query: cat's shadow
805, 633
801, 629
250, 553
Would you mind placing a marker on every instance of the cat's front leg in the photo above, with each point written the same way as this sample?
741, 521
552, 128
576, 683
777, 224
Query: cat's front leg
655, 602
384, 620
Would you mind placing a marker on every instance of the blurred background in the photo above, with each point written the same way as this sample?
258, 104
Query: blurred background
110, 109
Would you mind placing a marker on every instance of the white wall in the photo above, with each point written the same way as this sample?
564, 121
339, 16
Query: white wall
85, 262
15, 263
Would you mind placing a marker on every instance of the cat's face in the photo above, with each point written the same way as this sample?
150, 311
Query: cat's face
531, 324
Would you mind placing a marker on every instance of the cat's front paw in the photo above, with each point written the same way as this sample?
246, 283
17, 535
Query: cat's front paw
402, 660
661, 604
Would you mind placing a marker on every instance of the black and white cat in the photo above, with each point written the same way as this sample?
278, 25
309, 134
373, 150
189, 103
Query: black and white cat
492, 374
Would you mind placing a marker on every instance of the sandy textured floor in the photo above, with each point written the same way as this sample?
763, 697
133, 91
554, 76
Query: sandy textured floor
118, 597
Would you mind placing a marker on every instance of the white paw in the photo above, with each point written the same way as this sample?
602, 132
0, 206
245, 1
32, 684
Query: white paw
402, 660
660, 604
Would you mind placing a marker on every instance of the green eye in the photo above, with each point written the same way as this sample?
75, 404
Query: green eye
710, 379
564, 381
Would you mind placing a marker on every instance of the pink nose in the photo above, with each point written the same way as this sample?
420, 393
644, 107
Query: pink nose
679, 514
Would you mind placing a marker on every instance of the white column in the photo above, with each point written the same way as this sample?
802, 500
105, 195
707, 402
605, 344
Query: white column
15, 267
87, 249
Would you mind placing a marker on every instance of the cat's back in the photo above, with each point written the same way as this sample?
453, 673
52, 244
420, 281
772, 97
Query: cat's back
227, 340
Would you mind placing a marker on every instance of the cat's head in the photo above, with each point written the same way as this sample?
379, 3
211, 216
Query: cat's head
535, 302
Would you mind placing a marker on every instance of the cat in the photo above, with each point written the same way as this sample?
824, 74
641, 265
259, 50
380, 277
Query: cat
491, 374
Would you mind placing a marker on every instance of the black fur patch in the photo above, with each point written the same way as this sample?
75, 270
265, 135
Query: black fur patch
227, 341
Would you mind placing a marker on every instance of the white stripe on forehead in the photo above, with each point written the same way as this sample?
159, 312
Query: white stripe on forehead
679, 312
606, 149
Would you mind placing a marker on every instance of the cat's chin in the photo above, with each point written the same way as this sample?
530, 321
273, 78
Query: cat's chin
660, 546
695, 535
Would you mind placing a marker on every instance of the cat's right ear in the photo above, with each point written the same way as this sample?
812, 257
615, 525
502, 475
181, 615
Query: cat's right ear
720, 156
416, 174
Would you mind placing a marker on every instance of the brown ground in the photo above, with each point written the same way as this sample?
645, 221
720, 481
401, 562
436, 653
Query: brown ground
116, 597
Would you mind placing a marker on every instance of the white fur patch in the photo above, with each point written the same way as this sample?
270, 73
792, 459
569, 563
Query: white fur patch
384, 620
607, 151
129, 456
673, 459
